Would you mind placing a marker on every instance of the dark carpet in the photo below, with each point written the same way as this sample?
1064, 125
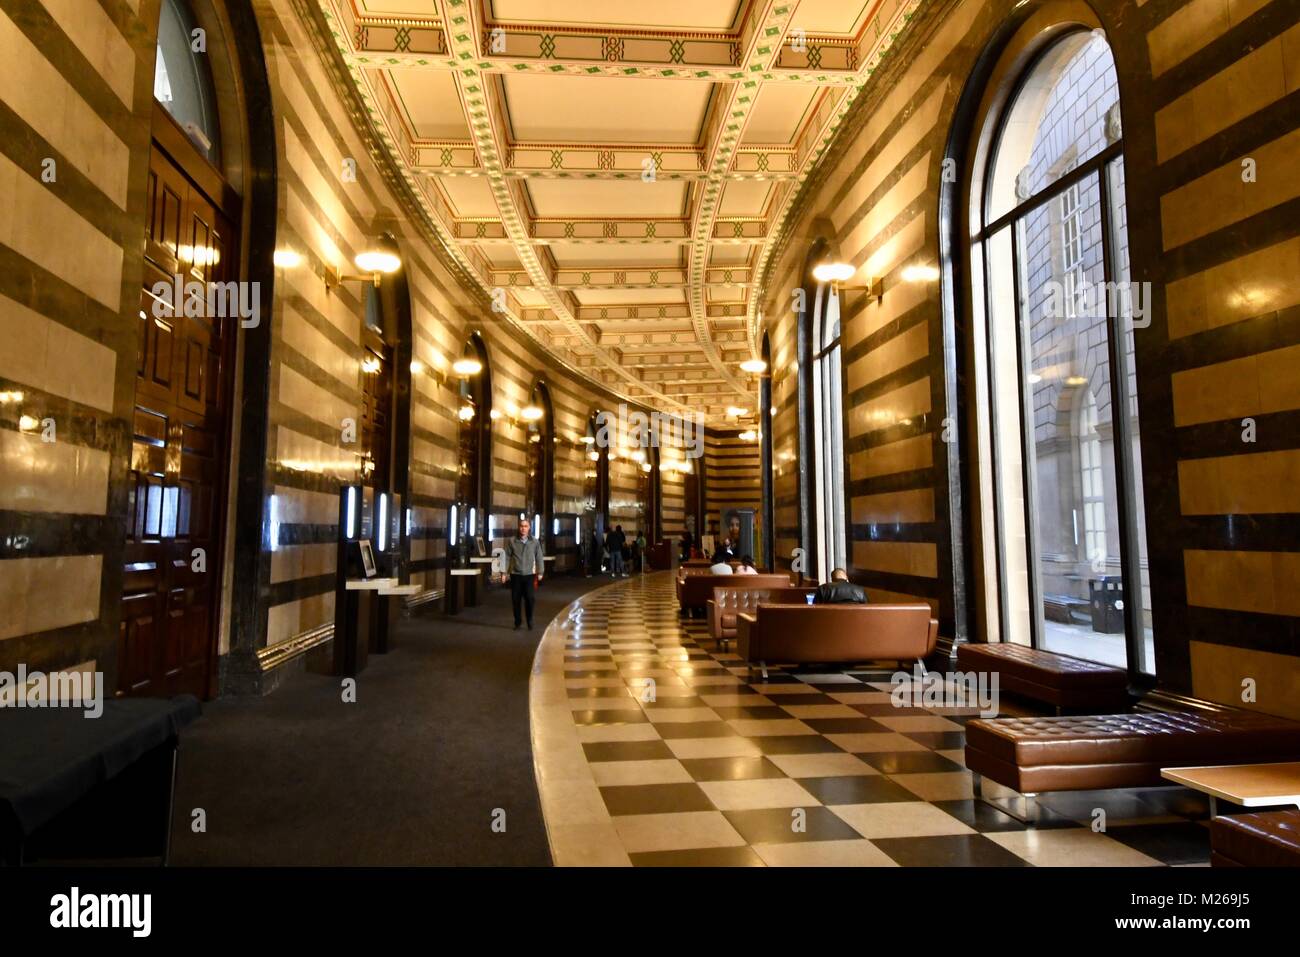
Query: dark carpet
410, 774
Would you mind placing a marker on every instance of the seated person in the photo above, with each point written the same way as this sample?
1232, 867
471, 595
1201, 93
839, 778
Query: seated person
746, 566
720, 567
724, 552
839, 590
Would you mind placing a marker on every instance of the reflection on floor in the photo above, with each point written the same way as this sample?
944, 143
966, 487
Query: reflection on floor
801, 769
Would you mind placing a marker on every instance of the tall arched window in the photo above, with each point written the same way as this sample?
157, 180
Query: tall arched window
1055, 385
828, 431
182, 78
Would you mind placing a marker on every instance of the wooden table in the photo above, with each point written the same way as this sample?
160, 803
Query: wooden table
1246, 785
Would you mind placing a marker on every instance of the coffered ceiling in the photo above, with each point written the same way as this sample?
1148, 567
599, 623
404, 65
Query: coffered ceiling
622, 170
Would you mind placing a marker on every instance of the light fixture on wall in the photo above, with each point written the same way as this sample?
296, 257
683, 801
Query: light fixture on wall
736, 412
838, 273
466, 367
531, 413
753, 366
286, 259
374, 265
465, 413
749, 435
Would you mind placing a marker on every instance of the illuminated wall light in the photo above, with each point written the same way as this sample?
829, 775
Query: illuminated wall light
286, 259
753, 366
736, 411
465, 413
530, 413
451, 528
749, 435
646, 467
11, 398
417, 367
370, 364
28, 424
588, 440
377, 261
920, 274
473, 521
555, 526
381, 536
273, 533
494, 414
467, 367
351, 522
594, 456
638, 456
833, 272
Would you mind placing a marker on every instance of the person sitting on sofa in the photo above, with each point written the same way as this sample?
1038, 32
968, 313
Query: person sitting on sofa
720, 566
839, 590
724, 552
746, 566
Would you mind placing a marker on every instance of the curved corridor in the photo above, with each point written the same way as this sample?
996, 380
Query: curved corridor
652, 747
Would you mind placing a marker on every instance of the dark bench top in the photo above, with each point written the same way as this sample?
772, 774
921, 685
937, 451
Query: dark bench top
1167, 738
51, 757
1044, 666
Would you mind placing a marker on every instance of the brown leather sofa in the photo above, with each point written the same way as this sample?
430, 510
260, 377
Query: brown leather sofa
1261, 839
1031, 755
730, 600
694, 590
1069, 684
833, 633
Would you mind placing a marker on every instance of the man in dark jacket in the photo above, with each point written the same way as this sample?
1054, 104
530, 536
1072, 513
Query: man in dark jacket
839, 590
614, 540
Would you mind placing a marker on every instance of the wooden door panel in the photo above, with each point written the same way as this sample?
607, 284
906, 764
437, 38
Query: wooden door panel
178, 451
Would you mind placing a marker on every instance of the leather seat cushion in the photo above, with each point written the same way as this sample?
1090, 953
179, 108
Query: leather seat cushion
1262, 839
1041, 667
1148, 738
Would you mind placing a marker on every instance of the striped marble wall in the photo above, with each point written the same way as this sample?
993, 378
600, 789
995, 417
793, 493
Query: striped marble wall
1225, 152
732, 476
1206, 85
75, 101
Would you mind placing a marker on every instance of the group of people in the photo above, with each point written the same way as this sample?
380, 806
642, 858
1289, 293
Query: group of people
620, 551
724, 555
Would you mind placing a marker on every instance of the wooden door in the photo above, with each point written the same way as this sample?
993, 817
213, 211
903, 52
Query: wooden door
178, 470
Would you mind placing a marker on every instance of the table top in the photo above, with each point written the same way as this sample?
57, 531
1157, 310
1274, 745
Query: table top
50, 757
369, 584
1250, 785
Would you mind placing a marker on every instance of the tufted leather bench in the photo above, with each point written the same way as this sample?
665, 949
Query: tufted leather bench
1067, 683
730, 600
694, 590
1262, 839
1030, 755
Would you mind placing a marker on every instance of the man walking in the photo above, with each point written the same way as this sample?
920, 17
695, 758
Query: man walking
523, 560
614, 545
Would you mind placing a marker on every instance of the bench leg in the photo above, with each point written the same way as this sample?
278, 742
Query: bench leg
1023, 807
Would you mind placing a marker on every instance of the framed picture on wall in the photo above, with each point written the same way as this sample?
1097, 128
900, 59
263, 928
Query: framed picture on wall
737, 525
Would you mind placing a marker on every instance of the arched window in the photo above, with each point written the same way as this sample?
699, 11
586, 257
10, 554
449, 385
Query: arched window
182, 78
1056, 410
828, 431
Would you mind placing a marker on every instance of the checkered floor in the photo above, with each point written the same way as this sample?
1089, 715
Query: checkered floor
698, 765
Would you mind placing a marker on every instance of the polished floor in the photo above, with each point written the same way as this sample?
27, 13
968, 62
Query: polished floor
706, 767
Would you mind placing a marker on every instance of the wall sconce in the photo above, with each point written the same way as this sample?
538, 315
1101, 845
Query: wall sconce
749, 435
736, 412
531, 413
374, 265
466, 367
836, 273
465, 413
753, 366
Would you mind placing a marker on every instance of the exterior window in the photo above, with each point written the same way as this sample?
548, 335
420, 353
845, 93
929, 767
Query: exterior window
828, 426
182, 79
1059, 430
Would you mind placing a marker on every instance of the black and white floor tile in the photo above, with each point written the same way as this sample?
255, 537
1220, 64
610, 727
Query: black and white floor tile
654, 747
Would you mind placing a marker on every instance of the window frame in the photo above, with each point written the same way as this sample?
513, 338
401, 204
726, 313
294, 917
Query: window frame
976, 248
